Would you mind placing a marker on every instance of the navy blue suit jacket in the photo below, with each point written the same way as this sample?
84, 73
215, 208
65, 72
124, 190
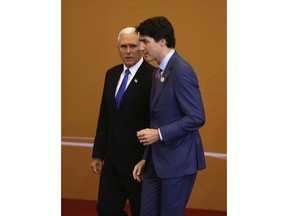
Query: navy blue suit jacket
177, 109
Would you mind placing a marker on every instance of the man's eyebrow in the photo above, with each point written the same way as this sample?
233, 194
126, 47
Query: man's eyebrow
132, 44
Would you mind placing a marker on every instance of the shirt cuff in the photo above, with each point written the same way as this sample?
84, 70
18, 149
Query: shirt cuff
160, 135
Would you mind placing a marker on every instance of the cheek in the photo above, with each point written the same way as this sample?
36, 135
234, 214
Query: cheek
137, 53
150, 49
120, 53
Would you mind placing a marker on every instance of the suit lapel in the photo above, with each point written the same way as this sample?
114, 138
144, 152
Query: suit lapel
114, 81
133, 84
160, 85
163, 80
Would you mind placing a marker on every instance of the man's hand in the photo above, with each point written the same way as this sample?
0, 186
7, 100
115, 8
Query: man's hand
137, 172
148, 136
96, 166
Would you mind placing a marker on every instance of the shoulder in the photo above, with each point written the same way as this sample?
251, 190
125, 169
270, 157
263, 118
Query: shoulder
179, 65
179, 62
114, 70
182, 70
147, 66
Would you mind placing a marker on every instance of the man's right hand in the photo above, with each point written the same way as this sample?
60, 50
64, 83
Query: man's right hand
96, 166
137, 172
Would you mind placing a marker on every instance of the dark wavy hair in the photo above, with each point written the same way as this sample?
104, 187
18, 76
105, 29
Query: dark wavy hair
157, 28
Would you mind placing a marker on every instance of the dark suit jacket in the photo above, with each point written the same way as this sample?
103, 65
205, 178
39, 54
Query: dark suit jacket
116, 142
177, 109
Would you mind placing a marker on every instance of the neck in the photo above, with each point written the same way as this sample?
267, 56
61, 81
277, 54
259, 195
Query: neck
162, 55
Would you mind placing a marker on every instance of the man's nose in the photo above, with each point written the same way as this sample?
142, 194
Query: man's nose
141, 47
128, 49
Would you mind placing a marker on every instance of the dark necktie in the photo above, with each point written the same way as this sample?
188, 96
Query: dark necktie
122, 88
157, 78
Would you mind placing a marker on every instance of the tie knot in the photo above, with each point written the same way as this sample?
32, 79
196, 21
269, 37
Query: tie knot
158, 73
127, 71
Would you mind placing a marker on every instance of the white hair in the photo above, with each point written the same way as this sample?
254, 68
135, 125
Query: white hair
128, 30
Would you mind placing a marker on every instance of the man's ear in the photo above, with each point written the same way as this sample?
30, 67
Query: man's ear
163, 42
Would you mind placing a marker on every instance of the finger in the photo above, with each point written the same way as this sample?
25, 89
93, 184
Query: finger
140, 134
138, 178
139, 171
94, 169
134, 174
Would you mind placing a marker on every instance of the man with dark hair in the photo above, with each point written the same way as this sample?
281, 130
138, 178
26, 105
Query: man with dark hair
174, 151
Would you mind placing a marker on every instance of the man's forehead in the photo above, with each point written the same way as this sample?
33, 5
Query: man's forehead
144, 37
129, 42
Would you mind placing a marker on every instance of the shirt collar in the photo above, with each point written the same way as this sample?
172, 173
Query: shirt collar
164, 62
135, 67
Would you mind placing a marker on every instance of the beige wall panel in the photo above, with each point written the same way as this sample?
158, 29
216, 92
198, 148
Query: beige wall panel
89, 32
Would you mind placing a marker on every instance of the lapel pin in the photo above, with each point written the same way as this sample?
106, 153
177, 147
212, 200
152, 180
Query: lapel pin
162, 79
135, 80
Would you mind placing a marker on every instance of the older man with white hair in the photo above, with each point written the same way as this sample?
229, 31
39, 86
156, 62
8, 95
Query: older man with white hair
124, 110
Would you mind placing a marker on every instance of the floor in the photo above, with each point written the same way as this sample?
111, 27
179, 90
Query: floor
70, 207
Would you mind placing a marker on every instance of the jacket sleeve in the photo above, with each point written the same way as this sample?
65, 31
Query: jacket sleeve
101, 138
190, 104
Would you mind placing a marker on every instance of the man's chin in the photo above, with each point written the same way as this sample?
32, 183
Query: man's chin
129, 62
147, 58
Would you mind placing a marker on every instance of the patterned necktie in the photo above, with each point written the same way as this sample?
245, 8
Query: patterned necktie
157, 78
122, 88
